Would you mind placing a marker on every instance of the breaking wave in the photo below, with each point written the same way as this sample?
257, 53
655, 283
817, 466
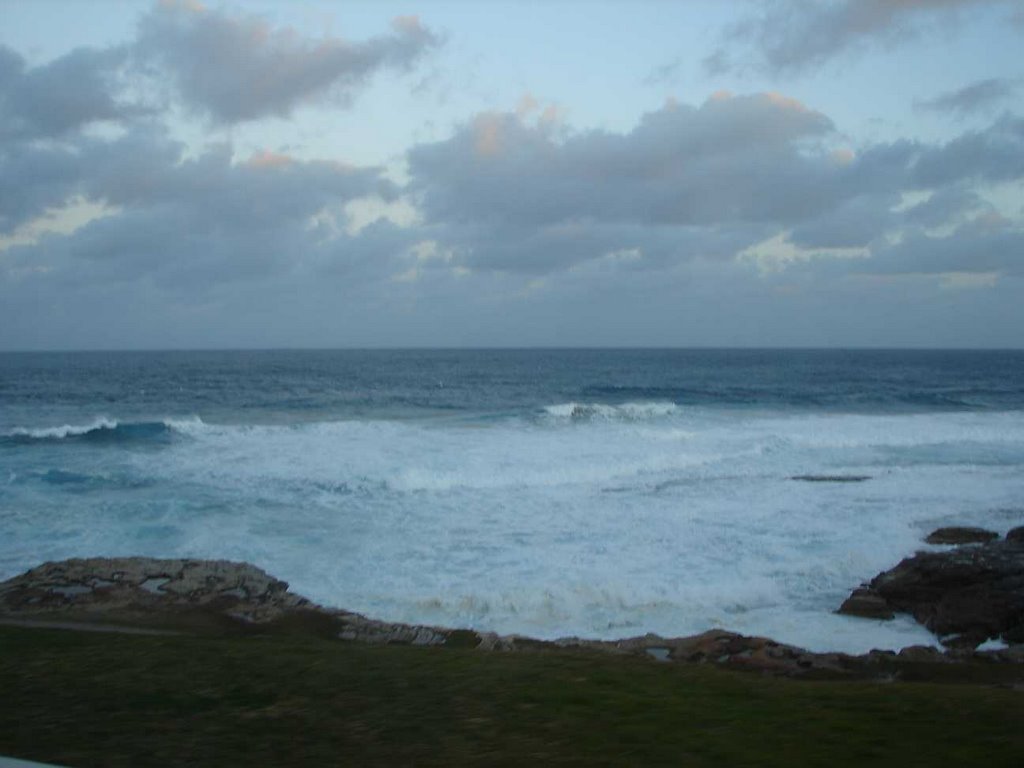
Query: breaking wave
640, 411
103, 430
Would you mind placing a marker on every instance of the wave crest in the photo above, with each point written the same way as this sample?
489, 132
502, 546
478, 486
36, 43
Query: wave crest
103, 429
639, 411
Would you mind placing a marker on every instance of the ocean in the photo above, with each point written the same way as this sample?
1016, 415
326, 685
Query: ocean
595, 493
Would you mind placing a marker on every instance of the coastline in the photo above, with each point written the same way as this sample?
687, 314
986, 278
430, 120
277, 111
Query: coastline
175, 596
138, 661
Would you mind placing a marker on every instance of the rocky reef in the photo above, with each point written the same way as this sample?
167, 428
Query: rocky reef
966, 595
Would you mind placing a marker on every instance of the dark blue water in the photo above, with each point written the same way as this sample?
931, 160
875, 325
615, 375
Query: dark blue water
38, 389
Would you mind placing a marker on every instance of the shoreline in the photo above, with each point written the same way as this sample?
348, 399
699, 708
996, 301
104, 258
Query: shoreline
136, 661
140, 595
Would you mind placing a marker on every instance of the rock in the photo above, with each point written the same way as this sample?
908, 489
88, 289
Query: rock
923, 653
194, 595
964, 595
831, 478
960, 535
1015, 534
144, 595
140, 585
732, 650
867, 603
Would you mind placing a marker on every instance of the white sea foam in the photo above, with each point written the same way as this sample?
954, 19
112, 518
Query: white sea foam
191, 425
993, 644
63, 431
188, 425
599, 527
624, 411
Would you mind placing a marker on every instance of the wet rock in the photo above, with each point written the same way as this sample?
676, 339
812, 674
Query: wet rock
143, 595
831, 478
964, 595
868, 604
960, 535
732, 650
1015, 534
923, 653
365, 630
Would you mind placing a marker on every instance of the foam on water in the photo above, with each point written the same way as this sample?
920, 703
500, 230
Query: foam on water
633, 518
624, 411
63, 431
103, 428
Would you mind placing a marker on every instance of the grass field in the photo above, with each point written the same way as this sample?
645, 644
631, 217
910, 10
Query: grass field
89, 699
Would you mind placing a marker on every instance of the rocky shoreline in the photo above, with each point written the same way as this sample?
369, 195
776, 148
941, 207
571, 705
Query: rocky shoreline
135, 594
966, 595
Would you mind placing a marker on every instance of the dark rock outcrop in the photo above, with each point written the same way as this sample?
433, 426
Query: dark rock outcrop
965, 595
831, 478
961, 535
1015, 534
867, 603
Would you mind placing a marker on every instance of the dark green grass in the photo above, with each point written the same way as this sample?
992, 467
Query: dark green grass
87, 699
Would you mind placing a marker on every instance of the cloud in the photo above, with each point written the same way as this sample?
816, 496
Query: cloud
790, 36
239, 68
852, 224
994, 154
979, 97
231, 68
986, 244
188, 222
690, 183
502, 186
950, 205
517, 221
62, 96
700, 183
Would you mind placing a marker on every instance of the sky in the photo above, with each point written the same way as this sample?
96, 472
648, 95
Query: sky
746, 173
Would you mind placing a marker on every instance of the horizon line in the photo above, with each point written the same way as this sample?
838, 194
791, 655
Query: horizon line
515, 348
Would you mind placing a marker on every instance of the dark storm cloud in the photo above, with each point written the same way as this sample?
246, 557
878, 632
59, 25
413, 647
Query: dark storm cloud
986, 244
995, 154
981, 96
238, 68
59, 97
947, 206
789, 36
853, 224
33, 179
